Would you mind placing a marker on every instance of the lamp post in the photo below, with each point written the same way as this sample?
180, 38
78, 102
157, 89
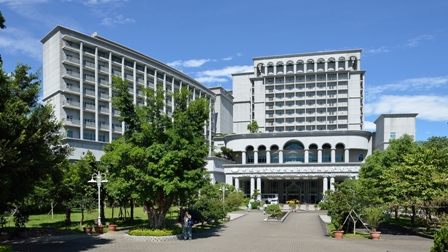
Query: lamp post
223, 189
98, 179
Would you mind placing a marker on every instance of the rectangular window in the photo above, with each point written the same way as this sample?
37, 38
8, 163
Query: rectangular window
261, 159
392, 136
250, 159
361, 157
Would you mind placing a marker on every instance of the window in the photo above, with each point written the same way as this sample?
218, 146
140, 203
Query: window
261, 159
361, 157
69, 133
89, 136
250, 159
392, 136
102, 138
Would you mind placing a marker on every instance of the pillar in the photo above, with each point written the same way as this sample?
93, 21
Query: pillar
255, 157
252, 186
243, 157
346, 155
259, 187
237, 184
333, 155
319, 155
325, 185
268, 157
280, 156
332, 183
306, 156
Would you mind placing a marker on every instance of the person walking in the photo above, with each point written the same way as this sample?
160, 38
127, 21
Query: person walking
187, 225
249, 206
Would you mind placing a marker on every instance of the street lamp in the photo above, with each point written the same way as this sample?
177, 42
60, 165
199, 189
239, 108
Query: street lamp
223, 189
98, 179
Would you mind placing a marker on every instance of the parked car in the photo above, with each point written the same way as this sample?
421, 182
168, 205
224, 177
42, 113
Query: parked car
293, 201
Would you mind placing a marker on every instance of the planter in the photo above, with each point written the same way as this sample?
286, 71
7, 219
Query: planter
375, 235
338, 234
112, 227
88, 230
99, 229
4, 237
22, 234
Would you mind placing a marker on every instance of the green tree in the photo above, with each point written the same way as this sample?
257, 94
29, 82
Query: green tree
166, 154
2, 21
253, 127
75, 191
30, 139
376, 186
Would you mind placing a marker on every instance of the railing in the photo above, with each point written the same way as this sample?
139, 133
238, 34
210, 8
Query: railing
71, 103
90, 107
73, 121
89, 92
71, 59
104, 110
72, 88
73, 74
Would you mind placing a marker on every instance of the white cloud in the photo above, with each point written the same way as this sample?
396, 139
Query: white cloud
221, 75
188, 63
381, 49
15, 41
227, 71
227, 58
370, 126
416, 41
239, 54
414, 84
95, 2
14, 3
118, 20
428, 107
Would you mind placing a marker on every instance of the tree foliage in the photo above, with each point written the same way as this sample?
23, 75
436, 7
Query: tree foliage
164, 155
2, 21
253, 127
30, 138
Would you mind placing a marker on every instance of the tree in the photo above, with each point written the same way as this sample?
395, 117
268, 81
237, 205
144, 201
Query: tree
374, 172
74, 190
253, 127
30, 137
2, 21
164, 154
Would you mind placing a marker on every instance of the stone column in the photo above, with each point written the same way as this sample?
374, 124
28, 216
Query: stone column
252, 186
325, 183
306, 156
280, 156
319, 155
237, 184
268, 157
346, 155
259, 187
333, 155
332, 183
243, 157
255, 157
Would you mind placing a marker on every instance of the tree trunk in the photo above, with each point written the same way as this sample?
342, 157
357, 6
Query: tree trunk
396, 213
156, 217
68, 212
132, 209
82, 217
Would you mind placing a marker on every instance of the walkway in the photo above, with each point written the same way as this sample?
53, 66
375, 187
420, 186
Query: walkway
301, 231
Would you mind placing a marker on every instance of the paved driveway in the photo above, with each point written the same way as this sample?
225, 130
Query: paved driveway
301, 231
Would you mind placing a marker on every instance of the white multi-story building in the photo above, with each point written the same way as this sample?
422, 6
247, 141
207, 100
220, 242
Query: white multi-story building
309, 109
77, 73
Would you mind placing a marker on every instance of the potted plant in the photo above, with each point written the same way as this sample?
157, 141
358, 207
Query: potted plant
87, 229
99, 229
292, 206
373, 217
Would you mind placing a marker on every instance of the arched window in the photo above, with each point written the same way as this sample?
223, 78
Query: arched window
331, 64
274, 154
289, 67
320, 65
299, 66
249, 154
326, 153
293, 151
280, 69
310, 66
341, 63
340, 152
312, 153
262, 154
270, 68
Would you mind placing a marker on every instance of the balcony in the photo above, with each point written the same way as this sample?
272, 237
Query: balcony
103, 69
73, 122
72, 88
89, 107
104, 126
88, 124
70, 103
104, 110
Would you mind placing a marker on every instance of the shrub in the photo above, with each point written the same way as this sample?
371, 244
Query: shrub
440, 240
5, 248
273, 210
168, 231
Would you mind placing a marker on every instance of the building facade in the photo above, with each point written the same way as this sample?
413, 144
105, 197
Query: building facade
309, 109
77, 74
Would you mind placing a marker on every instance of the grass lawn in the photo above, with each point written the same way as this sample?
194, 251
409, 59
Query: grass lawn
58, 220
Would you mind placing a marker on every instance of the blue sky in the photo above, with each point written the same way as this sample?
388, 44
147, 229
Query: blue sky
405, 43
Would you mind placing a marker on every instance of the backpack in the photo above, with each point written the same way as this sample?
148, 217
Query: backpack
190, 222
